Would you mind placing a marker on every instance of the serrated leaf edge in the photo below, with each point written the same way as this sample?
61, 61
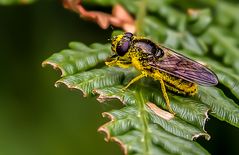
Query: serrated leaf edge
108, 138
167, 116
102, 98
59, 82
54, 66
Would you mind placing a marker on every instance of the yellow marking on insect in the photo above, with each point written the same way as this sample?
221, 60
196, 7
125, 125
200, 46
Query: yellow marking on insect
140, 53
178, 85
136, 63
117, 63
115, 40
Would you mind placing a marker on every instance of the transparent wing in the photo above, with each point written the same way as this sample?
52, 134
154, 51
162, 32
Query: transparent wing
183, 67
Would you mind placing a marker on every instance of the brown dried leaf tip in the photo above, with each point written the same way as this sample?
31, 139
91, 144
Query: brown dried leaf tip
119, 17
159, 112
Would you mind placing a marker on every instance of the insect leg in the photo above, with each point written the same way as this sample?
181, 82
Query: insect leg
165, 95
134, 80
118, 62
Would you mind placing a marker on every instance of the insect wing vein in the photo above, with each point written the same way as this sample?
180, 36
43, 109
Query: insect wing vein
185, 68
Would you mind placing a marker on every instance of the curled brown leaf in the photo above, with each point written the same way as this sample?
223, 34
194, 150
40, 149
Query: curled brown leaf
119, 17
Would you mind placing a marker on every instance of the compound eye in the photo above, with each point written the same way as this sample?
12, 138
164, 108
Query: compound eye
122, 48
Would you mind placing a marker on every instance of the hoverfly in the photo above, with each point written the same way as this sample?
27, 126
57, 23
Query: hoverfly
174, 71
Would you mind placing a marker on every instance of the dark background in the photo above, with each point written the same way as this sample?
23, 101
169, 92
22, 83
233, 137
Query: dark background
38, 119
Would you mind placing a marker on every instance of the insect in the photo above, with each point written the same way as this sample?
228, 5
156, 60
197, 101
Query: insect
173, 70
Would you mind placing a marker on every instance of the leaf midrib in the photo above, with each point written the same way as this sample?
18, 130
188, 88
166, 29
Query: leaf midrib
143, 119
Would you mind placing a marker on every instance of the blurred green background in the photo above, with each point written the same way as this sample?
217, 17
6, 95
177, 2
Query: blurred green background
38, 119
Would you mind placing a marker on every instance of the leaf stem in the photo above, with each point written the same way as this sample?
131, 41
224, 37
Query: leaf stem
140, 17
143, 119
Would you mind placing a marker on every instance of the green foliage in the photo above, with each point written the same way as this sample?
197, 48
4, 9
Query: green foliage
139, 128
128, 124
10, 2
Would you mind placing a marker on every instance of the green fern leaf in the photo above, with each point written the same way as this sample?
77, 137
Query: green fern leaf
70, 61
139, 127
11, 2
143, 126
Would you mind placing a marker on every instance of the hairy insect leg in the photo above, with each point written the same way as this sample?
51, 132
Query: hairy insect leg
134, 80
118, 62
165, 95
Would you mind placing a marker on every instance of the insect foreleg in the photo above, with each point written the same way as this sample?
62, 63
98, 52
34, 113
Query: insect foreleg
119, 62
134, 80
165, 95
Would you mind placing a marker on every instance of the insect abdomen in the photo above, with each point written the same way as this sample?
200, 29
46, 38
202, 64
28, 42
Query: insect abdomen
186, 89
175, 84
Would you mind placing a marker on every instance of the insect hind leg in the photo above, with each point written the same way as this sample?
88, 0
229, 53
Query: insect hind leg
165, 95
